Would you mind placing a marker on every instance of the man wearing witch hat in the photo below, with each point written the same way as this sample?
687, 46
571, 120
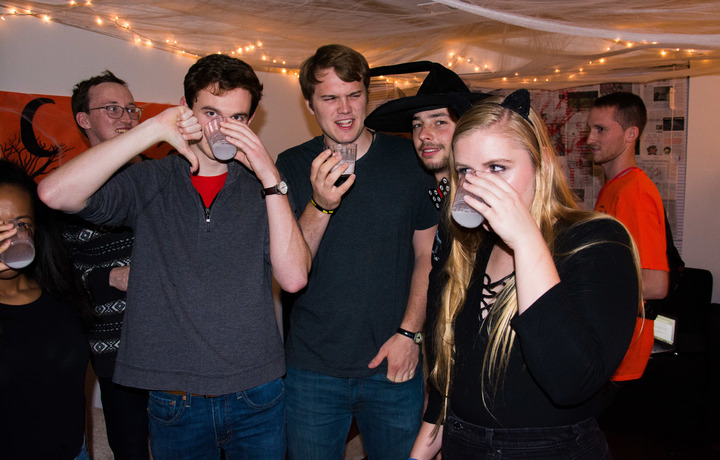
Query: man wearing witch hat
430, 116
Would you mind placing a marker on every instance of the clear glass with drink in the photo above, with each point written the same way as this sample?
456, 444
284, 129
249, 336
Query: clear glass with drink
462, 213
22, 248
221, 148
348, 152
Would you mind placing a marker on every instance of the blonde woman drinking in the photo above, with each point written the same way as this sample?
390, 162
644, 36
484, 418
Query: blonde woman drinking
528, 314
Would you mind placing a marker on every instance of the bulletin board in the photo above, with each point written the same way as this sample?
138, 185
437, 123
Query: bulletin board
661, 152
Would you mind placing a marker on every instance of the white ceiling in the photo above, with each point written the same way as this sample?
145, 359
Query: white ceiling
491, 43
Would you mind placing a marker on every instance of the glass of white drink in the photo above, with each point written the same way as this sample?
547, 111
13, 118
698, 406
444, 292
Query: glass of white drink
22, 248
462, 213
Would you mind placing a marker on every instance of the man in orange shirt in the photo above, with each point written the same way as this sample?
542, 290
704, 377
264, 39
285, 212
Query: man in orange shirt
616, 122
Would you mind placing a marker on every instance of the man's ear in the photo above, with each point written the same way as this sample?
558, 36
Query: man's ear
83, 120
632, 134
308, 104
184, 102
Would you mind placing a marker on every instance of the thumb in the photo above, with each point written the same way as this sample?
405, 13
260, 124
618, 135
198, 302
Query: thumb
378, 359
188, 129
187, 152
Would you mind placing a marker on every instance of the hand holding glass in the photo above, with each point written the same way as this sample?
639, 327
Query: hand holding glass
348, 152
462, 212
222, 149
22, 248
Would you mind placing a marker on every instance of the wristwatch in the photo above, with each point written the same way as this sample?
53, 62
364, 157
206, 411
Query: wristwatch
280, 189
416, 336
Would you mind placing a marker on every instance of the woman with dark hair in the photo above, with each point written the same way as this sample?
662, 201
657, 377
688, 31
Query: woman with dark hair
44, 312
531, 313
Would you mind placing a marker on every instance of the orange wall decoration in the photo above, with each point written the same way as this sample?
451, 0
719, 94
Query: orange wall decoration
39, 132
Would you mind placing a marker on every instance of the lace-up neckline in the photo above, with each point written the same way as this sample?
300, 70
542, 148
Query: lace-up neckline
490, 291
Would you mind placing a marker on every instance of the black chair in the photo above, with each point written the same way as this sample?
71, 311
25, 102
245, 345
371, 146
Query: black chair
678, 395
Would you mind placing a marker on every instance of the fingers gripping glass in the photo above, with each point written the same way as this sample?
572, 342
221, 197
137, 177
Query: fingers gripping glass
21, 251
463, 213
116, 111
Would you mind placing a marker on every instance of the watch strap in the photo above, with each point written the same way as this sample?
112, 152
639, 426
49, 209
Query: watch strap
279, 188
415, 336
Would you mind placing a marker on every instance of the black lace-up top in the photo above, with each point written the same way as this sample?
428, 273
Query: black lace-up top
568, 342
490, 291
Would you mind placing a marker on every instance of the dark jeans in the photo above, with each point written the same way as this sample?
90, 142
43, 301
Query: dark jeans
582, 441
246, 425
126, 420
320, 409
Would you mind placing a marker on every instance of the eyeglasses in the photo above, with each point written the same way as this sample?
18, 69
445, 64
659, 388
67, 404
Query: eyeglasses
117, 111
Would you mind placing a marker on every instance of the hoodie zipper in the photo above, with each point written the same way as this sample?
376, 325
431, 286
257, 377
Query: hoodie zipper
208, 208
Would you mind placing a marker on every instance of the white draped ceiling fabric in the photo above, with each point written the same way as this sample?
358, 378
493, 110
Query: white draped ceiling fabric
539, 44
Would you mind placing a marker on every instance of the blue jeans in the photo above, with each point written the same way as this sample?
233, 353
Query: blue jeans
582, 441
320, 410
83, 455
246, 425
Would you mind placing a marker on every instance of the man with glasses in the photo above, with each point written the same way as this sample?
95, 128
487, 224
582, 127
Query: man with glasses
104, 108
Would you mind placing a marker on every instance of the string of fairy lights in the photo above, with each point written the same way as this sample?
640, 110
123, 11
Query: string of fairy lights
465, 65
455, 60
139, 39
462, 64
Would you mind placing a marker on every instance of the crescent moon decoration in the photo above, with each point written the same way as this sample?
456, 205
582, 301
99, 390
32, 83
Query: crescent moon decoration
27, 133
40, 159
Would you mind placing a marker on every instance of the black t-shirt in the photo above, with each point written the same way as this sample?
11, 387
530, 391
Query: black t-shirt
360, 279
44, 355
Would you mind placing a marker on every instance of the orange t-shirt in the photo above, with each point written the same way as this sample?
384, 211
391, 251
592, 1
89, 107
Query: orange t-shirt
632, 198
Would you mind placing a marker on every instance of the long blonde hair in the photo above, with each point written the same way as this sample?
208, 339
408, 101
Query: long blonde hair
552, 201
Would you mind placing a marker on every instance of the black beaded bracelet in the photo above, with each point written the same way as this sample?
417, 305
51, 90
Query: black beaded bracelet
320, 208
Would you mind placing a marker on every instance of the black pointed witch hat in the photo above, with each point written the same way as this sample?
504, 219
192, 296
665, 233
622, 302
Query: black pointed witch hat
441, 88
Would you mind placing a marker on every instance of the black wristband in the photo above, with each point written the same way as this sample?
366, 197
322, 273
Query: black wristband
320, 208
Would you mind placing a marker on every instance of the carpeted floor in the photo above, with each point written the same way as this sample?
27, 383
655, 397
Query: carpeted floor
97, 438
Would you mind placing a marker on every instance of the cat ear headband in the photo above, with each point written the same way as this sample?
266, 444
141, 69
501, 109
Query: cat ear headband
519, 102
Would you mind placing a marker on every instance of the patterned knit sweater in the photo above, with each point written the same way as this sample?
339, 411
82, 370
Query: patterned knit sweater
96, 251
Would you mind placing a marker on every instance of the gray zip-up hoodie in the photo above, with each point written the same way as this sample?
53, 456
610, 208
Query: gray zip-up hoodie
199, 314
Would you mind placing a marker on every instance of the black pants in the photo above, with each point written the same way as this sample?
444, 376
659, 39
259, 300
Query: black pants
126, 420
582, 441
